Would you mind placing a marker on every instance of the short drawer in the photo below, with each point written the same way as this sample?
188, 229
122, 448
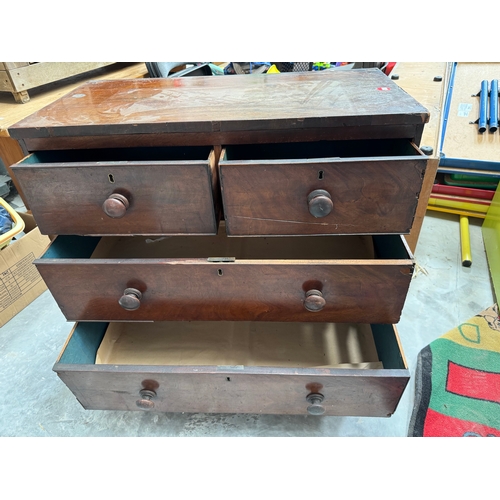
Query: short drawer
147, 191
236, 367
332, 278
316, 188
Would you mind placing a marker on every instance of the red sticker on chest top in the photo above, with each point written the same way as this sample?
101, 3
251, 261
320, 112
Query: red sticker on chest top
383, 88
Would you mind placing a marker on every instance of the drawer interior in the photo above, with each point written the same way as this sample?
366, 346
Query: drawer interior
322, 149
194, 153
233, 344
220, 247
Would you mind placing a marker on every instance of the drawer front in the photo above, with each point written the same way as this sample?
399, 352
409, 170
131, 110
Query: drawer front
345, 394
233, 389
117, 289
126, 198
263, 292
315, 196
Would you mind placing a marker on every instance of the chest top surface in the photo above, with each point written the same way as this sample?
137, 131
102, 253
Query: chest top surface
232, 103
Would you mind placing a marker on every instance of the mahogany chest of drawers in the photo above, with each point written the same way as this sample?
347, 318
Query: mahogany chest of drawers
229, 244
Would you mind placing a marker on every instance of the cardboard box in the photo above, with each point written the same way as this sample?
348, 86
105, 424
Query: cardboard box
20, 282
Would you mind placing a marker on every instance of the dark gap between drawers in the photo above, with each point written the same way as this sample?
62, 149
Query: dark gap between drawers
174, 153
322, 149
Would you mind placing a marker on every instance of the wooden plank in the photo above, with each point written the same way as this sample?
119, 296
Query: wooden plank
5, 83
13, 65
37, 74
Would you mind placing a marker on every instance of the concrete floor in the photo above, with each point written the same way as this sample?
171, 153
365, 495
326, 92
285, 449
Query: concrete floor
34, 402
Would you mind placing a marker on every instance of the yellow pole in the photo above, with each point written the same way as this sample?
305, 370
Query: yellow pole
458, 205
465, 240
456, 212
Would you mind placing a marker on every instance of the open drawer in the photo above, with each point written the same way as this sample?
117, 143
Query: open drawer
235, 367
332, 278
127, 191
326, 187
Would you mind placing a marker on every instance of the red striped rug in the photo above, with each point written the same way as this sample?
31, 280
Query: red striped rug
457, 381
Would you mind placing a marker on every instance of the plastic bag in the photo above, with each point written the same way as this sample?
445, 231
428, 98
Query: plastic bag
6, 221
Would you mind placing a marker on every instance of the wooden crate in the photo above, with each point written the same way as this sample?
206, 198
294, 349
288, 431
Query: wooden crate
19, 77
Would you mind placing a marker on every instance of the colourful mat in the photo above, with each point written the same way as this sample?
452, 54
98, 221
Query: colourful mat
457, 381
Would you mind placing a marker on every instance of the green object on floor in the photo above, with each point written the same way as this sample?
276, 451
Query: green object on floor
491, 238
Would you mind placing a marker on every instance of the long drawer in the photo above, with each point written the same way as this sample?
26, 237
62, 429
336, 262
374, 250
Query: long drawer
128, 191
242, 367
329, 278
316, 188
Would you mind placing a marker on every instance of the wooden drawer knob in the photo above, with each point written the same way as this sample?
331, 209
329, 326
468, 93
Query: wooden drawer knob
315, 407
145, 402
320, 203
115, 206
131, 299
314, 301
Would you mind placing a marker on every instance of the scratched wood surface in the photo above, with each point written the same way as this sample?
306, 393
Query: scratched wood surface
217, 104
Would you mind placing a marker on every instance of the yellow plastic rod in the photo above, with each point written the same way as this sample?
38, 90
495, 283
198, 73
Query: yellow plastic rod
465, 241
460, 205
457, 212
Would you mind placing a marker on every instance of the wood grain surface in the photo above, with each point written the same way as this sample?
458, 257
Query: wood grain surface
166, 197
370, 195
267, 388
347, 392
268, 284
219, 104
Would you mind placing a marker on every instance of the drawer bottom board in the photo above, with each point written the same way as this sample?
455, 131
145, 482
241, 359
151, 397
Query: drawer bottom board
235, 367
